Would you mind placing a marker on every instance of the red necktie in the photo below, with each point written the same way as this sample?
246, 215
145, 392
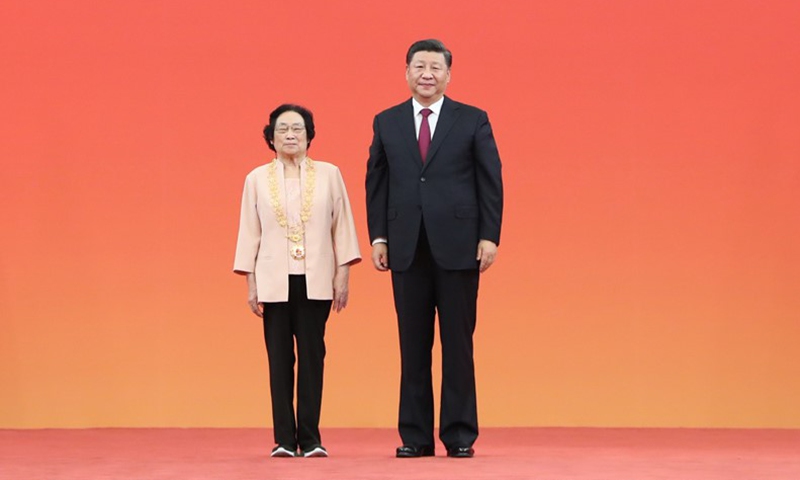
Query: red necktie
424, 134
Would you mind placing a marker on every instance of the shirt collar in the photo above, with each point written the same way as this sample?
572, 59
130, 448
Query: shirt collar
435, 108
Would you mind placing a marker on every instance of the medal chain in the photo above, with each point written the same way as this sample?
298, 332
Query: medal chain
295, 232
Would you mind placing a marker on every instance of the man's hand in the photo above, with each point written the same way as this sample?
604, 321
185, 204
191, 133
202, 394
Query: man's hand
380, 256
487, 251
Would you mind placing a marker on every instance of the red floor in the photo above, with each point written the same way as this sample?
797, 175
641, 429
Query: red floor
508, 453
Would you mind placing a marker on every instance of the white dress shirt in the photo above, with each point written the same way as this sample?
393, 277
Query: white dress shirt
436, 108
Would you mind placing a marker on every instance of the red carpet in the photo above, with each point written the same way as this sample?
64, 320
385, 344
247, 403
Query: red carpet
501, 453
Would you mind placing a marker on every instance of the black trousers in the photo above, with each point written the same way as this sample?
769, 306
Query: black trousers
419, 293
301, 320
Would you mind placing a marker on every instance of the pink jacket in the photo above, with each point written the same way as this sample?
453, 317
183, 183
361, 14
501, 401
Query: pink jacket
330, 234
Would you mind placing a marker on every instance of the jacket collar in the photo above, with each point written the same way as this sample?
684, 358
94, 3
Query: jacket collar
447, 118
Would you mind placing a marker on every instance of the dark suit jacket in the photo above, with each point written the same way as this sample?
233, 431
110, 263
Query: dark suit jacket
457, 192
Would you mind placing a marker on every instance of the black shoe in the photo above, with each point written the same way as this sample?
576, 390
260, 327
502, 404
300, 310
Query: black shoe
314, 452
283, 451
460, 452
407, 451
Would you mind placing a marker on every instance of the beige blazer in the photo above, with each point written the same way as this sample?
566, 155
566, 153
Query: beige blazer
330, 234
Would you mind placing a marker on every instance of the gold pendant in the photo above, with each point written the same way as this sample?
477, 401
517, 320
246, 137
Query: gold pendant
298, 252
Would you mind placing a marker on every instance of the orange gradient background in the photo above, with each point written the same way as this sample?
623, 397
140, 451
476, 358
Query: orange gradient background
649, 268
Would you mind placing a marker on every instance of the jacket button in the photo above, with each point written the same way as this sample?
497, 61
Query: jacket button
422, 179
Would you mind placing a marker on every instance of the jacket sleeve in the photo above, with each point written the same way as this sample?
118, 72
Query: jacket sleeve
249, 240
343, 226
377, 186
489, 181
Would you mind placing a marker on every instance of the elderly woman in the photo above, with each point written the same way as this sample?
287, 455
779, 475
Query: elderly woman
297, 240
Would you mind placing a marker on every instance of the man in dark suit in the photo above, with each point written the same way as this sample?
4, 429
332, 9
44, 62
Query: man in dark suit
434, 208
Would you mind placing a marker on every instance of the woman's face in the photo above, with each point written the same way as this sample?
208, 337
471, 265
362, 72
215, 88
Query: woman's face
290, 135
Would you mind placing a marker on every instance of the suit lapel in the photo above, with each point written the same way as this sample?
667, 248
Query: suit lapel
447, 118
407, 129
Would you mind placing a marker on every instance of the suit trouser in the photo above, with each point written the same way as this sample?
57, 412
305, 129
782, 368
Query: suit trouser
302, 320
419, 293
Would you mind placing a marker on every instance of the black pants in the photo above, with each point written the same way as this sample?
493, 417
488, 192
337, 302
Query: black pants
419, 293
302, 320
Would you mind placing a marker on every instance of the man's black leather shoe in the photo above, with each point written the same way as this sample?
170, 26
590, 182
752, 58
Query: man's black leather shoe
407, 451
460, 452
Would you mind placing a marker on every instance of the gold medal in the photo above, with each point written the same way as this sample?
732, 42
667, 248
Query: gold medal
298, 252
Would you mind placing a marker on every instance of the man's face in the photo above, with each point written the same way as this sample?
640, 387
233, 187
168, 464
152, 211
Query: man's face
427, 75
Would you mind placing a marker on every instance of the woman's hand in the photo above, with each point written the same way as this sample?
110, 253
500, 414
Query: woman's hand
252, 295
341, 291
